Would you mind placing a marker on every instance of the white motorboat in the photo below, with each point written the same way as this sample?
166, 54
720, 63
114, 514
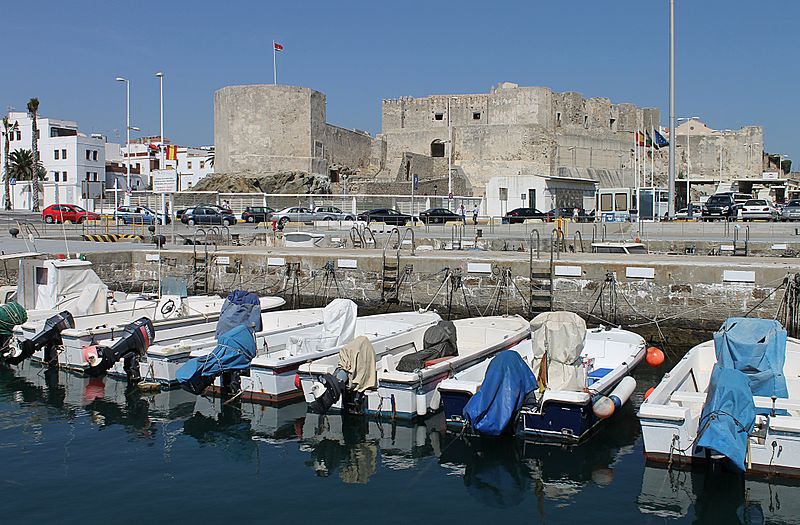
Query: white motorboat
176, 343
174, 317
682, 418
408, 394
272, 375
591, 369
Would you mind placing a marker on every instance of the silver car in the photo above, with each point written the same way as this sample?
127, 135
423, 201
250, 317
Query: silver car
331, 213
292, 214
791, 212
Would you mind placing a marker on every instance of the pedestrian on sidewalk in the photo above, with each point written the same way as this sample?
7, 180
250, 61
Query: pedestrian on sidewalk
463, 214
475, 215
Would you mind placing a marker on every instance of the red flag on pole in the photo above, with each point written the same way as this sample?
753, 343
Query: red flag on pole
278, 47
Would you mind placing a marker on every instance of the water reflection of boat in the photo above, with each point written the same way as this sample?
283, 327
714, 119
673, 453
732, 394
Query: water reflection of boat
354, 446
502, 471
717, 497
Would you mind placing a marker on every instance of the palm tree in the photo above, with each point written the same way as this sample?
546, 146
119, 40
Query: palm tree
7, 129
21, 166
210, 158
33, 111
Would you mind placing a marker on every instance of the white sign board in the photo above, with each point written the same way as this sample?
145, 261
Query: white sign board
637, 272
769, 175
165, 181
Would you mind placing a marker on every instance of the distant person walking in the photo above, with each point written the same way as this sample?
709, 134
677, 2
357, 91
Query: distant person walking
463, 214
576, 215
475, 215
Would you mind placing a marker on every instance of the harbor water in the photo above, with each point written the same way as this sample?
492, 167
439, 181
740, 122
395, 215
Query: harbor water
81, 450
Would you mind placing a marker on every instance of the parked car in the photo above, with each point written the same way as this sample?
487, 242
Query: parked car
569, 213
521, 214
759, 209
208, 215
438, 216
791, 211
385, 215
139, 215
697, 212
67, 213
256, 213
724, 206
292, 214
331, 213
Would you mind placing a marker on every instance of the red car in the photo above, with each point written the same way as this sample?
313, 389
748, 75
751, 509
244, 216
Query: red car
67, 212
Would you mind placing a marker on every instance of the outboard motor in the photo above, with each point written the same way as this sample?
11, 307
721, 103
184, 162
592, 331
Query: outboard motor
328, 389
49, 338
131, 346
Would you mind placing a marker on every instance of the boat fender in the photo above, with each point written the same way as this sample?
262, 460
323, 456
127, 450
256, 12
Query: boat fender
649, 391
602, 407
297, 383
622, 392
655, 357
49, 337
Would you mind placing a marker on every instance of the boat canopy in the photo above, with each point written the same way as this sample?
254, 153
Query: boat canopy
234, 351
756, 347
240, 308
338, 327
508, 381
558, 339
728, 416
56, 284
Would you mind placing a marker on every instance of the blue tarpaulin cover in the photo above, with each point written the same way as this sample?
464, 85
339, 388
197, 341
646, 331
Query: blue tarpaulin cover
728, 415
234, 351
756, 347
240, 308
508, 380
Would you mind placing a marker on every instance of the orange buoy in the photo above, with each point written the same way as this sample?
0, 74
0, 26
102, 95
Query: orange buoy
649, 391
297, 383
655, 357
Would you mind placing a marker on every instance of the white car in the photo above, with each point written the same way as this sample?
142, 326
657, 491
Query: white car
759, 209
696, 209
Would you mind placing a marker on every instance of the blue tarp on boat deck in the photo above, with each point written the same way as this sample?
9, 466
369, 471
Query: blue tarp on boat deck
239, 308
728, 415
234, 351
508, 380
756, 347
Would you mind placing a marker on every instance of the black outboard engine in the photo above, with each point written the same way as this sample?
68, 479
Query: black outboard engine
131, 346
328, 389
49, 338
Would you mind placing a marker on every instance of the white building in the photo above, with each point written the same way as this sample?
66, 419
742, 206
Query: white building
192, 163
74, 163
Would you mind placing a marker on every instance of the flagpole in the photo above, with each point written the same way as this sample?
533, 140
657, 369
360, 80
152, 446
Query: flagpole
274, 65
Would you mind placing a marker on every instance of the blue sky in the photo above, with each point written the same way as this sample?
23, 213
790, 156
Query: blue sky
736, 60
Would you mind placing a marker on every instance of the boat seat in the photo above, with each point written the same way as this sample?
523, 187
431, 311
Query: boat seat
600, 373
387, 363
684, 396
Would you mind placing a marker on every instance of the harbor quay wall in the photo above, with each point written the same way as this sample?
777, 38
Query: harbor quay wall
680, 299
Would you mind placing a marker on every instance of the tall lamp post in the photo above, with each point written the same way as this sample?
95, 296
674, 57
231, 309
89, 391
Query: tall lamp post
688, 163
128, 139
449, 157
161, 161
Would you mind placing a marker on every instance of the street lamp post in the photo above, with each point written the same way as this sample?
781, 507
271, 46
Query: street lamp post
161, 161
688, 163
128, 139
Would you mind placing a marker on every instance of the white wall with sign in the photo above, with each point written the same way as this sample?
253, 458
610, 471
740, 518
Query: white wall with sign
165, 181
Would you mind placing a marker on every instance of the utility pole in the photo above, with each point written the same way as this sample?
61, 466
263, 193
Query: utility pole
671, 109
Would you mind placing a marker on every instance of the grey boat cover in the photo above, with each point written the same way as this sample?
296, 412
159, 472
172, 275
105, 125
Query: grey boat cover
557, 339
241, 308
439, 341
338, 327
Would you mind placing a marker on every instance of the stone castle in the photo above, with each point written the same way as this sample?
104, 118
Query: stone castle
512, 131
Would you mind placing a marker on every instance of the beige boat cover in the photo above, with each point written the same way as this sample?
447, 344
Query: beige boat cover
557, 339
357, 358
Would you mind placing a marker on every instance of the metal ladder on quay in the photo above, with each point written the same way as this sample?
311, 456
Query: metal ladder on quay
391, 276
200, 265
541, 280
741, 249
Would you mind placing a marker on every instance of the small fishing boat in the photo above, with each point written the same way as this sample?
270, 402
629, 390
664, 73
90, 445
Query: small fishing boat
400, 380
557, 387
271, 376
730, 402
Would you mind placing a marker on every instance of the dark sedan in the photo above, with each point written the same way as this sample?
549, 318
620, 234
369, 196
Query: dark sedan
569, 213
438, 216
256, 213
385, 215
521, 214
208, 215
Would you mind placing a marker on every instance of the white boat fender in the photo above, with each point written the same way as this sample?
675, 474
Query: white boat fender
604, 407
